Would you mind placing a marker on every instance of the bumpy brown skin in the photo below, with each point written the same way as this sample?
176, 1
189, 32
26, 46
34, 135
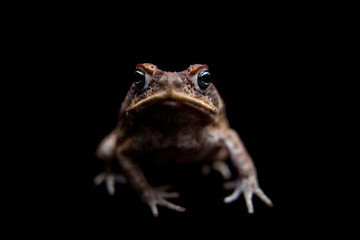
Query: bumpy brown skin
171, 114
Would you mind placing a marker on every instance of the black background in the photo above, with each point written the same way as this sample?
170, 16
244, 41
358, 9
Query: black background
266, 70
261, 105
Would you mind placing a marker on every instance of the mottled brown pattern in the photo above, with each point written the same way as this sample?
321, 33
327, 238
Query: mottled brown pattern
172, 120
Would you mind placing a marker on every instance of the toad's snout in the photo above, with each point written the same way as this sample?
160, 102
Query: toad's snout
171, 82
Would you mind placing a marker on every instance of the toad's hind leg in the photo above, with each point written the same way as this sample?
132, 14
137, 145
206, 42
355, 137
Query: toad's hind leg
219, 166
217, 163
106, 152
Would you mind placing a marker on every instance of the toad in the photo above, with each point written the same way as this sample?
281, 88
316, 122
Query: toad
176, 117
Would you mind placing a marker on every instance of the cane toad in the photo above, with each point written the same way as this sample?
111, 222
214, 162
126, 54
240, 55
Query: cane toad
178, 117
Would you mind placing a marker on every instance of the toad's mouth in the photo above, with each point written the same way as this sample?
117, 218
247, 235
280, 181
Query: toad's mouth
173, 100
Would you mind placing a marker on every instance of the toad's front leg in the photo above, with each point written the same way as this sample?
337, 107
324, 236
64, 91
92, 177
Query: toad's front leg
246, 182
153, 196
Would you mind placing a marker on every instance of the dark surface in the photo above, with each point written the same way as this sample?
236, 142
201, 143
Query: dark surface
258, 107
265, 78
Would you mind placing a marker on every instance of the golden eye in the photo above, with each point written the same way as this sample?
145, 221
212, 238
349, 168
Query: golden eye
204, 79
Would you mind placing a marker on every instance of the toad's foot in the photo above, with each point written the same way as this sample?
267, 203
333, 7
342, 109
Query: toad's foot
154, 196
248, 186
109, 178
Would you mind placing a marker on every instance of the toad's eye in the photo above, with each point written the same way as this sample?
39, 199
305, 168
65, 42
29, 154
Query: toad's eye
139, 79
204, 79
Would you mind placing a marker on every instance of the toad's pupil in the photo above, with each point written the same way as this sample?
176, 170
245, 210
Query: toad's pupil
139, 79
205, 77
204, 80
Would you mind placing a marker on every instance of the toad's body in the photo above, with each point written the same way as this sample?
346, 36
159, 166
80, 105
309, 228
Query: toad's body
176, 117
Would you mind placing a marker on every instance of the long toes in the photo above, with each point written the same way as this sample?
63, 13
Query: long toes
258, 192
110, 184
170, 205
248, 200
232, 197
170, 195
99, 178
154, 209
230, 185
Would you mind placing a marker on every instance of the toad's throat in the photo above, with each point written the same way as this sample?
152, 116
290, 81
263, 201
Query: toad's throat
173, 100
